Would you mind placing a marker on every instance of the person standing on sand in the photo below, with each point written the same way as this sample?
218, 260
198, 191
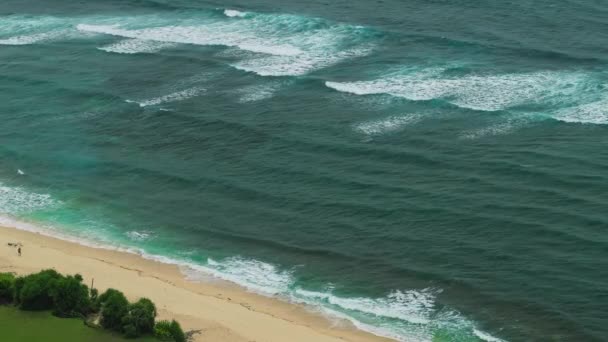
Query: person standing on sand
19, 251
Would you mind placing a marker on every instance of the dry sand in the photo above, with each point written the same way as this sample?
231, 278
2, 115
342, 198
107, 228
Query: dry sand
220, 310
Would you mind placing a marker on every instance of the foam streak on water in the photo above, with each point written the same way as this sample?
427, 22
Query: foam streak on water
131, 46
32, 38
173, 97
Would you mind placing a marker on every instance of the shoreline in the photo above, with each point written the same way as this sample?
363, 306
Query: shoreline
221, 310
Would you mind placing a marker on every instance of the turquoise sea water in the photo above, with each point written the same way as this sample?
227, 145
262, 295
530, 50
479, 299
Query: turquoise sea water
428, 170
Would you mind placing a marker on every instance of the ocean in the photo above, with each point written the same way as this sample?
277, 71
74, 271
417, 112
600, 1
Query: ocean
427, 170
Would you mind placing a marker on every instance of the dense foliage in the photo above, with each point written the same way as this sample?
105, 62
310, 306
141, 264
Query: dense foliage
169, 331
67, 296
7, 287
34, 292
139, 319
114, 306
70, 297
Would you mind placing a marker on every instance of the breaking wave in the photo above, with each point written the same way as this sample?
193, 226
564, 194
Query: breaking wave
571, 96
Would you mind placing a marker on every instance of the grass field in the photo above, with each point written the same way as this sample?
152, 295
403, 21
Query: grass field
26, 326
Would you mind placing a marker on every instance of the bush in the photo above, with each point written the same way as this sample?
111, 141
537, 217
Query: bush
70, 297
114, 306
139, 319
7, 288
34, 292
162, 331
169, 331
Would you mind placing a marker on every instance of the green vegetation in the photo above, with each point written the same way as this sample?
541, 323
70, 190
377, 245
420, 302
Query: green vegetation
139, 319
169, 331
21, 326
68, 297
71, 297
7, 288
114, 306
34, 292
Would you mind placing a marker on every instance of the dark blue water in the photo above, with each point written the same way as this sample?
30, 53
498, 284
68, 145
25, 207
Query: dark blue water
428, 170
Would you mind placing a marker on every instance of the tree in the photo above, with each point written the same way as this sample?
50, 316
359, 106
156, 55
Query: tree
70, 297
139, 319
34, 292
7, 288
114, 306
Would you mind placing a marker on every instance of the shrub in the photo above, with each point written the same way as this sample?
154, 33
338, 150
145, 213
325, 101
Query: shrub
139, 319
114, 306
70, 297
7, 288
177, 332
162, 331
169, 331
34, 292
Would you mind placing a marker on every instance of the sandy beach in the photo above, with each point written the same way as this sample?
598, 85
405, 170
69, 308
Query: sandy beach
220, 310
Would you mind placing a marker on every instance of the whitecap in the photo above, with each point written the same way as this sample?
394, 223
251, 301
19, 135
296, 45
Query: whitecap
387, 125
588, 113
211, 34
132, 46
477, 92
173, 97
234, 13
32, 38
486, 337
321, 56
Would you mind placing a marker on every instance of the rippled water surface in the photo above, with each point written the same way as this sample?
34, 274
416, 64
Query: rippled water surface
428, 170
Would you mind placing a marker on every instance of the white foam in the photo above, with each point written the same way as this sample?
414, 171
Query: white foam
16, 200
410, 306
132, 46
486, 337
20, 172
259, 92
387, 125
478, 92
234, 13
139, 235
223, 34
310, 60
32, 38
173, 97
505, 126
257, 276
588, 113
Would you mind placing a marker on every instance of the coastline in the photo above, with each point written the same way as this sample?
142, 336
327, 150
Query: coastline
222, 311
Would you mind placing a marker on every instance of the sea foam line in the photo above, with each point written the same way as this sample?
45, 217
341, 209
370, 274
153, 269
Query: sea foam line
477, 92
209, 34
